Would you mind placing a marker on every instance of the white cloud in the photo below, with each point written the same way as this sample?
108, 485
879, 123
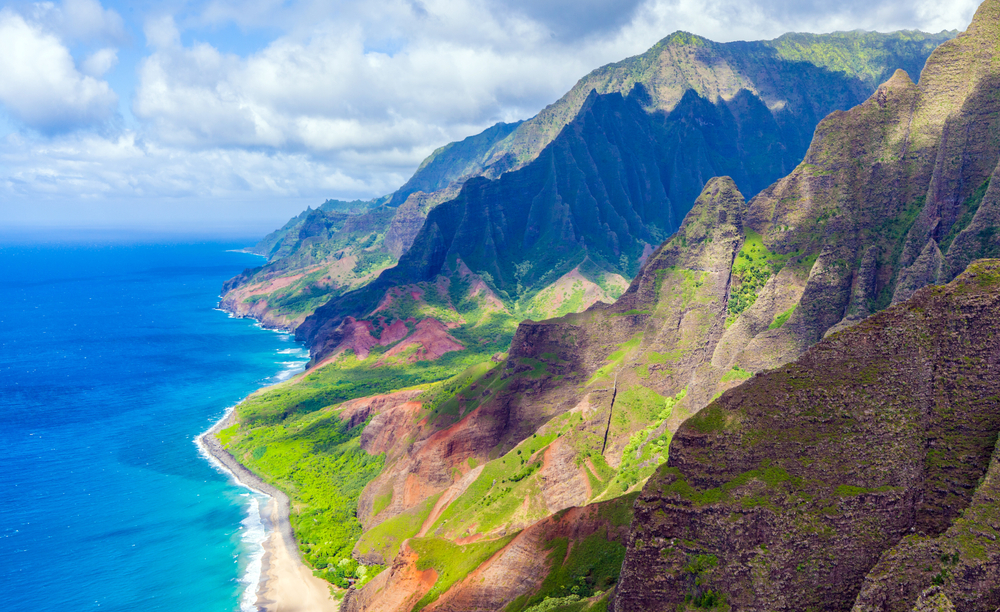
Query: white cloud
403, 75
337, 101
136, 179
161, 32
39, 82
100, 62
343, 91
80, 20
91, 166
728, 20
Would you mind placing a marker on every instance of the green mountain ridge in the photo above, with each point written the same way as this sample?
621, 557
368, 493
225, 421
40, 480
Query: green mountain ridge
719, 109
740, 288
684, 62
521, 459
863, 476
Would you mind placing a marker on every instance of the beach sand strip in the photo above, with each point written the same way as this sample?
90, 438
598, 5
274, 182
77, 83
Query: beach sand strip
287, 584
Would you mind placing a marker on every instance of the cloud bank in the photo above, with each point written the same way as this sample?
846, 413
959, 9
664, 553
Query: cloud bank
337, 100
39, 81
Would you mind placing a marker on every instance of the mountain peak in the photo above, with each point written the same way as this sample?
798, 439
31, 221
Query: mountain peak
682, 38
986, 21
900, 79
982, 276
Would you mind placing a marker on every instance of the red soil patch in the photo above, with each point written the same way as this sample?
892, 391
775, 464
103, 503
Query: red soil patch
469, 540
391, 424
433, 338
566, 483
478, 287
274, 284
398, 588
394, 333
387, 300
427, 578
357, 336
451, 494
357, 411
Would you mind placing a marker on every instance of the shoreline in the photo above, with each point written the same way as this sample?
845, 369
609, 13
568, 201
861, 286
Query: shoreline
286, 584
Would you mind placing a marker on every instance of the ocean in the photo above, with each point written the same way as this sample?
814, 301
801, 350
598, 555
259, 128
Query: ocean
113, 359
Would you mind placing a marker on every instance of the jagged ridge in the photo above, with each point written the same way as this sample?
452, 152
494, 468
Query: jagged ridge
861, 475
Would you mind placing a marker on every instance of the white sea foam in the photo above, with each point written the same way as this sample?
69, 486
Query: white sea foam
299, 357
254, 535
255, 529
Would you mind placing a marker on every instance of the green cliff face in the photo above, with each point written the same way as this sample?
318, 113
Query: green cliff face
581, 410
799, 78
863, 476
317, 255
701, 109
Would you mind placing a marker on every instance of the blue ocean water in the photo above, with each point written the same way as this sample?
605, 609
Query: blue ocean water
112, 360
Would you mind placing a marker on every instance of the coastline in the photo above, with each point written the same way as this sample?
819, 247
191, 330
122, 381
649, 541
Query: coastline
286, 583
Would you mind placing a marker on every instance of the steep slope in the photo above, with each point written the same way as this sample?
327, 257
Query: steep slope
746, 110
781, 73
453, 162
861, 476
582, 409
320, 254
281, 242
740, 288
620, 176
851, 229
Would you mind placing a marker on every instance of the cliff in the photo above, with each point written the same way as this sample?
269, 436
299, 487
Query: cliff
861, 476
702, 109
582, 409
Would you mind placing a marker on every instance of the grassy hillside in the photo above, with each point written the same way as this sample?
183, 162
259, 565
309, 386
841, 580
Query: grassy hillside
513, 436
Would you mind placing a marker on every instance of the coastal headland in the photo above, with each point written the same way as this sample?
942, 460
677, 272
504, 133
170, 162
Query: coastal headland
286, 585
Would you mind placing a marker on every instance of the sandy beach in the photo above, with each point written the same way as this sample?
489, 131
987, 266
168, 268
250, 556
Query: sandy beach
287, 585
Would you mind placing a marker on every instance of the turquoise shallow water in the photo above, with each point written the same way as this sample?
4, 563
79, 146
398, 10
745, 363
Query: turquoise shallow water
112, 360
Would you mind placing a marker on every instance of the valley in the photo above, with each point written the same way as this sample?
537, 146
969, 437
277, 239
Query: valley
788, 406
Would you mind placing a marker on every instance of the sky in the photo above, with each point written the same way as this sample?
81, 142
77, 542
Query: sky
231, 116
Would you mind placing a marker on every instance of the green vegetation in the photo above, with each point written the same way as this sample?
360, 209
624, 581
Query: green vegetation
639, 407
869, 56
310, 258
445, 401
753, 266
451, 561
893, 232
700, 569
570, 603
347, 378
737, 373
381, 503
385, 538
615, 359
499, 491
318, 461
371, 262
633, 312
292, 436
581, 569
965, 214
592, 565
776, 478
711, 418
782, 318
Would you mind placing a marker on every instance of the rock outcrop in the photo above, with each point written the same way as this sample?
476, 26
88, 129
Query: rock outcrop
859, 477
600, 177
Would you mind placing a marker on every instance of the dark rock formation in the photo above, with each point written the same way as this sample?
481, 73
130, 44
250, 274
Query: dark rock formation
864, 474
